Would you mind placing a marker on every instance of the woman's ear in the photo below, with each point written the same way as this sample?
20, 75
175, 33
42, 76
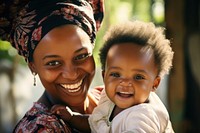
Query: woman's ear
31, 66
156, 83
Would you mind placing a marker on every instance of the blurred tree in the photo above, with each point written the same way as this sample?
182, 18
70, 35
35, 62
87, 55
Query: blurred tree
183, 25
8, 53
120, 10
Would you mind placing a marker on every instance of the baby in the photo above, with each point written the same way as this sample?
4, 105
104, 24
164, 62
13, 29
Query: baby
135, 56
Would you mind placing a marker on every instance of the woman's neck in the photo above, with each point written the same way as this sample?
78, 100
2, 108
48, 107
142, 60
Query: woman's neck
46, 100
81, 108
49, 102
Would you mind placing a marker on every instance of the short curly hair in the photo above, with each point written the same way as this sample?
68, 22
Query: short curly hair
142, 33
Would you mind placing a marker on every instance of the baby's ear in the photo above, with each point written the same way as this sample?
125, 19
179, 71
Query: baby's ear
156, 83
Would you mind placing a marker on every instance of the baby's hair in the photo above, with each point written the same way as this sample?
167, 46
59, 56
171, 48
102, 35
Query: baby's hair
142, 33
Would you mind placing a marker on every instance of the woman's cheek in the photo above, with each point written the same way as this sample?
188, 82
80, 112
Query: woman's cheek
49, 76
89, 65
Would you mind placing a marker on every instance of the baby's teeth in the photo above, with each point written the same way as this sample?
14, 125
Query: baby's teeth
126, 93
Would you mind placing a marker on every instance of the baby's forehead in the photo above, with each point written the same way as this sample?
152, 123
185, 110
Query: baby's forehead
130, 52
117, 48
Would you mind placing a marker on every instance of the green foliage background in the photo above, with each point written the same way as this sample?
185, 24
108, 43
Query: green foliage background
120, 10
115, 11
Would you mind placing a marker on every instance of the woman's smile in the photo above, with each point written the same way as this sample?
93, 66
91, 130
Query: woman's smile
72, 88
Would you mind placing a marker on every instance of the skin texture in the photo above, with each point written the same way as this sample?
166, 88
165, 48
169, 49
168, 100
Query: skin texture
64, 62
130, 75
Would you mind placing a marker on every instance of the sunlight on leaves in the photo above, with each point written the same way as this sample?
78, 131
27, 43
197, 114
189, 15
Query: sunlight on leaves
4, 45
158, 11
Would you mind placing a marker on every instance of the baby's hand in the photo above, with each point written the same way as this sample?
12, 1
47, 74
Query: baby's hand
64, 112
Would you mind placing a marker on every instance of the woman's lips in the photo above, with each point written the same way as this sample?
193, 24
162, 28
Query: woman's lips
72, 88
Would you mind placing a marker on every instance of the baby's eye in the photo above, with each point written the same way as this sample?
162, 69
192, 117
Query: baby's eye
82, 56
53, 63
138, 77
116, 75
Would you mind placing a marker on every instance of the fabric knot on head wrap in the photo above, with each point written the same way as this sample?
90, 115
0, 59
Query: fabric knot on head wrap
40, 16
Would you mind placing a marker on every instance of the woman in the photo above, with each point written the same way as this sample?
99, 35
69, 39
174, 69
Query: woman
56, 38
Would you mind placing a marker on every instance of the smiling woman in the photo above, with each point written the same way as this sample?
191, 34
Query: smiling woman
65, 75
56, 38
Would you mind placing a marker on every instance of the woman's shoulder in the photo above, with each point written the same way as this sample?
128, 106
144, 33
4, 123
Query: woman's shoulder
39, 119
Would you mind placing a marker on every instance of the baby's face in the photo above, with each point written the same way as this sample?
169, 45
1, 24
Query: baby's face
130, 74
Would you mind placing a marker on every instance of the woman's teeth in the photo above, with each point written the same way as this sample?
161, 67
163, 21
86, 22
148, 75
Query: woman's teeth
73, 87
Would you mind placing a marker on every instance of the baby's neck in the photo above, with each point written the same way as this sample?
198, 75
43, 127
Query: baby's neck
116, 111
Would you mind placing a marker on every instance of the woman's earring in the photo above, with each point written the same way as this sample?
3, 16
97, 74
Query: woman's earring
34, 79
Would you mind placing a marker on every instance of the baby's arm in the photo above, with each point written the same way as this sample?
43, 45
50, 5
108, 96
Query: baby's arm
76, 120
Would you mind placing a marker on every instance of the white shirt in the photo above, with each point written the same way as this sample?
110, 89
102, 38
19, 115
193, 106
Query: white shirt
149, 117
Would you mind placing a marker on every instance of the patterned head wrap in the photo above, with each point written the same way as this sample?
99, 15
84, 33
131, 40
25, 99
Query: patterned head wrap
40, 16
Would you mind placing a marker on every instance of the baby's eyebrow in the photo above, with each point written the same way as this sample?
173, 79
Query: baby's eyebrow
139, 70
114, 68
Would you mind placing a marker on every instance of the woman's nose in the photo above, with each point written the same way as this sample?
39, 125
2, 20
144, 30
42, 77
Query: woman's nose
69, 72
126, 82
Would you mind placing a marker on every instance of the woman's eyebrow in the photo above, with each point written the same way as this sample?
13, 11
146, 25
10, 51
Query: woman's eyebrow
81, 49
56, 56
50, 56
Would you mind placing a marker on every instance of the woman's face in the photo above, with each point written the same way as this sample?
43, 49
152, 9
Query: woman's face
130, 74
64, 62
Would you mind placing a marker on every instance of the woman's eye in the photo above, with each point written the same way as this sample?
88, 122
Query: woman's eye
115, 75
138, 77
53, 63
82, 56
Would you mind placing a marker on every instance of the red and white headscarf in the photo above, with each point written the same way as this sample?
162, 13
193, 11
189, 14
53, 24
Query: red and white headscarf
38, 17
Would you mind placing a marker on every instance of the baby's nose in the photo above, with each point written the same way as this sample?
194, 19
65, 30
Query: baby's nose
126, 82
